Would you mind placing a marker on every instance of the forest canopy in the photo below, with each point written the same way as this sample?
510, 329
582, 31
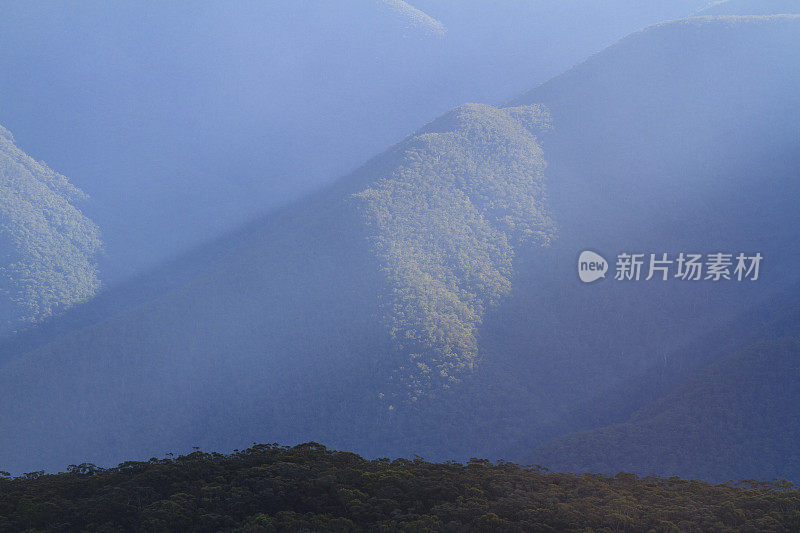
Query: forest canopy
47, 246
310, 488
463, 192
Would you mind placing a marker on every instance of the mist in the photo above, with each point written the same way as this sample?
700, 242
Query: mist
244, 235
182, 121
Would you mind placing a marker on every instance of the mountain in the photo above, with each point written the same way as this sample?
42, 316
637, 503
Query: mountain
691, 162
427, 303
183, 121
467, 190
335, 298
48, 248
735, 419
777, 318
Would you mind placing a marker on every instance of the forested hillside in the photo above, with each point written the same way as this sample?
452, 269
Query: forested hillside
183, 124
466, 191
321, 318
48, 247
428, 302
309, 488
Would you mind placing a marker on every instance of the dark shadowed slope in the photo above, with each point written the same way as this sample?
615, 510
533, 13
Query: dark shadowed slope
777, 317
679, 138
687, 152
47, 247
736, 419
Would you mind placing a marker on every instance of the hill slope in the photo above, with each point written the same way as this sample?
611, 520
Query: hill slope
468, 190
737, 418
653, 150
200, 120
308, 317
411, 307
47, 246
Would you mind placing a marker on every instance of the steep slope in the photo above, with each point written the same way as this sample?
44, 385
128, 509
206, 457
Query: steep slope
657, 152
300, 324
736, 419
199, 120
47, 246
468, 190
402, 276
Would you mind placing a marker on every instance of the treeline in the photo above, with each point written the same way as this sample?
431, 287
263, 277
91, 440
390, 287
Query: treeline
309, 488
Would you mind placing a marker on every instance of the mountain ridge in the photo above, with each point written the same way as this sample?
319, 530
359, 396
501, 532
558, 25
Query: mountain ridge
285, 334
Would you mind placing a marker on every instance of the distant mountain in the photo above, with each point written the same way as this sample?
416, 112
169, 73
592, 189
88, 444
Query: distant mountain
48, 247
183, 124
736, 419
671, 152
373, 288
428, 302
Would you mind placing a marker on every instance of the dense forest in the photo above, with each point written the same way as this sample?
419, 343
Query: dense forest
268, 488
464, 192
48, 247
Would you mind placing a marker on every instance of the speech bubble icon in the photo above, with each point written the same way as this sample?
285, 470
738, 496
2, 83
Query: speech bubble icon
591, 266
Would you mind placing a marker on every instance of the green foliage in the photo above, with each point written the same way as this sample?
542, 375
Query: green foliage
444, 222
46, 245
269, 488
